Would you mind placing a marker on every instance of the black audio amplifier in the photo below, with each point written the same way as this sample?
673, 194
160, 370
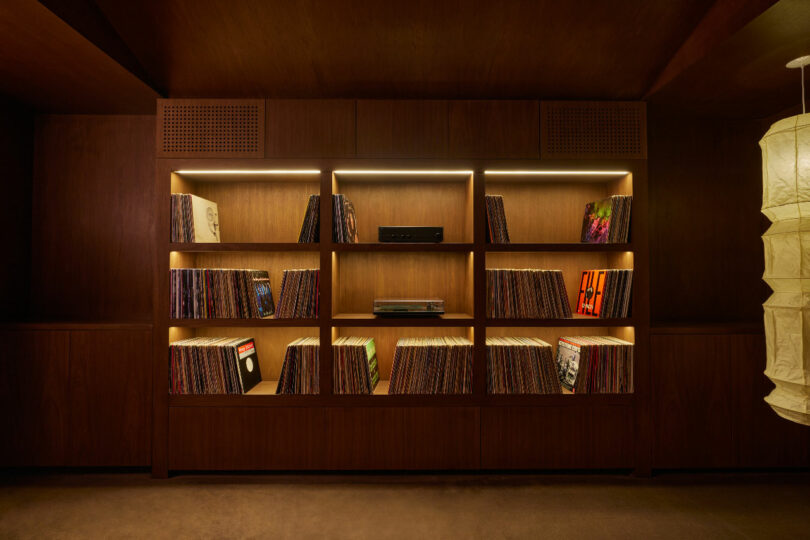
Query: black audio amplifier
411, 234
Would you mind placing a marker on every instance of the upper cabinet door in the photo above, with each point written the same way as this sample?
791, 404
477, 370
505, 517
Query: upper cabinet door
401, 128
310, 128
494, 129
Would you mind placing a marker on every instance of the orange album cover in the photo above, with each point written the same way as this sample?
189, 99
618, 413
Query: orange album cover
591, 292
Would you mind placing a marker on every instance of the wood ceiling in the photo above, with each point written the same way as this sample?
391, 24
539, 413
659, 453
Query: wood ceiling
47, 64
405, 48
721, 57
745, 75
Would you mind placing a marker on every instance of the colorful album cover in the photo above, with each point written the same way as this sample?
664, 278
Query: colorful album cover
349, 222
373, 369
596, 223
568, 364
591, 293
264, 293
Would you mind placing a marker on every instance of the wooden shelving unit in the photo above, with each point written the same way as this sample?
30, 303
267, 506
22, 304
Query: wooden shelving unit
249, 246
260, 217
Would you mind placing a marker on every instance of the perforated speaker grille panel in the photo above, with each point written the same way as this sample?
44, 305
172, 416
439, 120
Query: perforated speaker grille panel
587, 129
210, 128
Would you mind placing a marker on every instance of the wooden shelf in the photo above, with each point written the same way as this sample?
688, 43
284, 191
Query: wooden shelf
577, 320
369, 319
243, 246
191, 323
414, 175
556, 400
340, 248
207, 174
264, 388
264, 395
562, 247
550, 179
404, 247
248, 400
382, 388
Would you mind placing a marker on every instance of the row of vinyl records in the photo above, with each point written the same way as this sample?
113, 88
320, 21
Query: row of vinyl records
606, 221
422, 365
532, 294
194, 219
213, 293
205, 293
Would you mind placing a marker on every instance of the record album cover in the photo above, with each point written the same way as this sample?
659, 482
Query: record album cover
596, 223
591, 293
248, 362
264, 293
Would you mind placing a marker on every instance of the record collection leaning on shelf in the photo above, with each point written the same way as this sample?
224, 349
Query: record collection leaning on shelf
539, 360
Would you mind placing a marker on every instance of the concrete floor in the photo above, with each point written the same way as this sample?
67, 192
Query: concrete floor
418, 506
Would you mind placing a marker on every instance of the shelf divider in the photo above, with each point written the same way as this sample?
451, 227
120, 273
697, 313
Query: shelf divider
404, 247
201, 323
559, 246
243, 246
479, 285
326, 285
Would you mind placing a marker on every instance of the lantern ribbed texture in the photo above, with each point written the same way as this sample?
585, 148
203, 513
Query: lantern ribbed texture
786, 202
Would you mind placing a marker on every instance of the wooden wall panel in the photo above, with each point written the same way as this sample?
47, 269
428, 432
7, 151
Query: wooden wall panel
93, 218
566, 437
16, 155
708, 405
233, 438
705, 221
310, 128
34, 396
402, 128
403, 438
110, 403
494, 129
763, 439
693, 409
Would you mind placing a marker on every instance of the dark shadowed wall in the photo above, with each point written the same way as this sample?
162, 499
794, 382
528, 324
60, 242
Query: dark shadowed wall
705, 194
16, 157
92, 217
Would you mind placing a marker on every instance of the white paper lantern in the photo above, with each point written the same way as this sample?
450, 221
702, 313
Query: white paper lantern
786, 202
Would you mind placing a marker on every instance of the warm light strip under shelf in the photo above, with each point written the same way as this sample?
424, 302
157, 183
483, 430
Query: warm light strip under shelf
555, 173
253, 171
399, 171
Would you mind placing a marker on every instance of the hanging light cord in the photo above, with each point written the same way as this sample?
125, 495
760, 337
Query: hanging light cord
802, 71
